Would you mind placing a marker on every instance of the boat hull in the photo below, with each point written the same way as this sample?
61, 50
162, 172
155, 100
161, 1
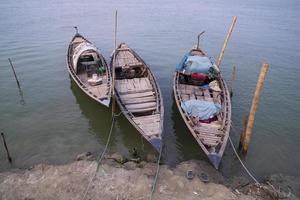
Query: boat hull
105, 100
216, 154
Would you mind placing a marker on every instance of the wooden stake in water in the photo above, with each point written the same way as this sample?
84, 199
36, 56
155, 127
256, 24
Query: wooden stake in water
226, 41
13, 68
7, 152
22, 101
259, 86
113, 66
245, 120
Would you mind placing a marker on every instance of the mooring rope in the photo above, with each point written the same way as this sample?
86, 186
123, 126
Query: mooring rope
243, 165
260, 186
100, 157
157, 172
237, 155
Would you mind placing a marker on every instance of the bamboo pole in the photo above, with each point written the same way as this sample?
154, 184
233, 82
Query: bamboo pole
255, 101
226, 41
7, 152
245, 120
232, 80
113, 66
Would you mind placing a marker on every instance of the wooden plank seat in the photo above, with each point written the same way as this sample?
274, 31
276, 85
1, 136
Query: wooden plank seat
136, 94
133, 64
209, 142
136, 85
139, 100
212, 125
143, 103
205, 130
210, 137
126, 58
147, 119
142, 110
196, 92
140, 105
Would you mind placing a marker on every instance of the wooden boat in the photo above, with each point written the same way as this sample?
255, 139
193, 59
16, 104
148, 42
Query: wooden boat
212, 137
89, 70
138, 94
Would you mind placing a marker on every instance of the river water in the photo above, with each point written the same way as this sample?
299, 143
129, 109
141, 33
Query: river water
58, 121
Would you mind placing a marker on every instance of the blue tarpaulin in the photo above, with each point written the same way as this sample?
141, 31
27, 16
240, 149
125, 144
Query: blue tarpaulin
197, 64
180, 65
202, 109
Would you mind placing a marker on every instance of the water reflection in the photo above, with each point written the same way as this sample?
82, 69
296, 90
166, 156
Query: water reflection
186, 143
124, 136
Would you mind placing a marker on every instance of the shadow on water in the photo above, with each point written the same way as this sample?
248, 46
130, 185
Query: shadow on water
99, 116
124, 136
128, 138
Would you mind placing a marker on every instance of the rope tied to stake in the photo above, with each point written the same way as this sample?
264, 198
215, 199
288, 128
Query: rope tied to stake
240, 160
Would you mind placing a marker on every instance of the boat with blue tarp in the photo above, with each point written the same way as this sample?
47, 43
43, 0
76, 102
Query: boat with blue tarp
203, 100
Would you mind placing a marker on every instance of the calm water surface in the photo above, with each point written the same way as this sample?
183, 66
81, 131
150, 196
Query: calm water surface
58, 121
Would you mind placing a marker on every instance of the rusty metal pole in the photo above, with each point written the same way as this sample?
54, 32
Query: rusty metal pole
7, 152
255, 101
226, 41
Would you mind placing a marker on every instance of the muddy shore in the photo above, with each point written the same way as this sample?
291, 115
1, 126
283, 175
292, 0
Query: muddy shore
121, 178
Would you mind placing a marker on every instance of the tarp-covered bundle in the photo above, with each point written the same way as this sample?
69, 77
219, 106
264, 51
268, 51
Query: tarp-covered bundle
201, 109
180, 65
198, 64
195, 64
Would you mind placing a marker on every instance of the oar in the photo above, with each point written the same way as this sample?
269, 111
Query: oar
113, 65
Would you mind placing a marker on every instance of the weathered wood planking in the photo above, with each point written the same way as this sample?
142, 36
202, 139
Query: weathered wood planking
140, 98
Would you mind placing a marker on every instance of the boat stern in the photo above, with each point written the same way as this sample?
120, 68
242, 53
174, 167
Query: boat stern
156, 143
105, 102
215, 159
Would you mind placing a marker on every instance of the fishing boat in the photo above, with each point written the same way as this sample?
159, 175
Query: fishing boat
89, 70
137, 94
203, 101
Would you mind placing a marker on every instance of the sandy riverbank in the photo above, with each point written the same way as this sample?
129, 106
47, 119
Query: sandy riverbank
118, 178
